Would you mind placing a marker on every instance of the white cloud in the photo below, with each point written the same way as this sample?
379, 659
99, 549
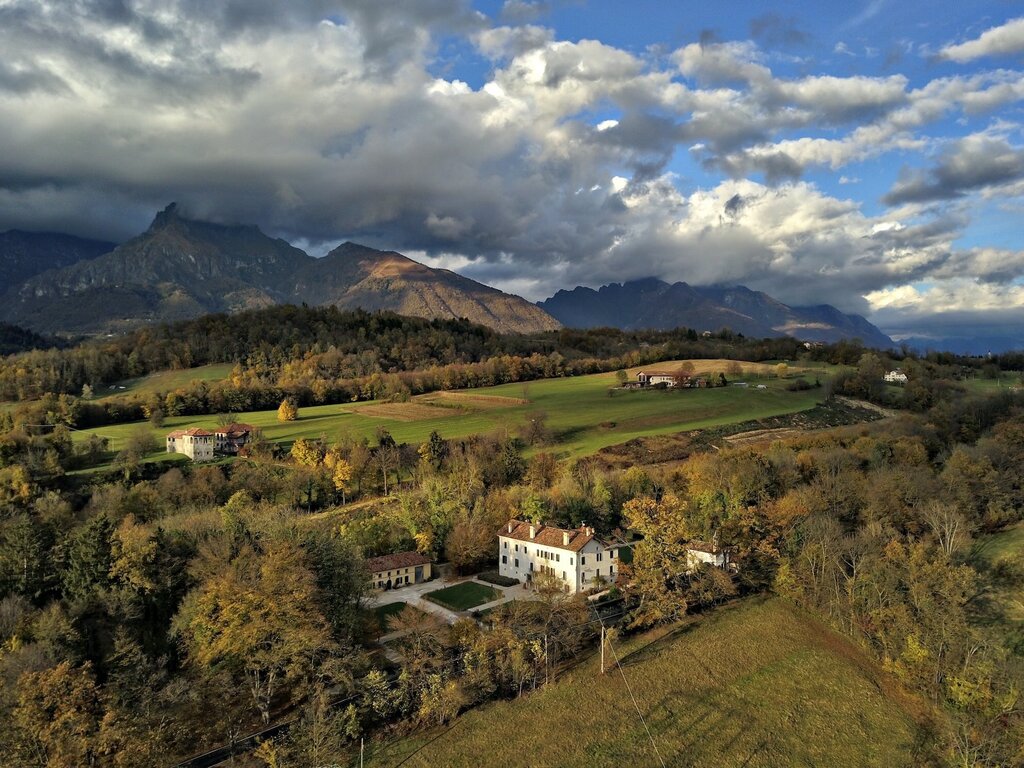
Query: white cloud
998, 41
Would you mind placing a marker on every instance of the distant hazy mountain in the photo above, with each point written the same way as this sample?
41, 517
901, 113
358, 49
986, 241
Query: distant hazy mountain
181, 268
981, 344
653, 303
25, 254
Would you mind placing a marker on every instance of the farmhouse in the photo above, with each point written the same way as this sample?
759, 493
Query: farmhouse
231, 437
195, 443
653, 378
397, 570
896, 377
575, 557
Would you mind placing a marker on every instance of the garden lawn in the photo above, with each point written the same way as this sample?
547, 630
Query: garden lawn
462, 597
756, 684
581, 415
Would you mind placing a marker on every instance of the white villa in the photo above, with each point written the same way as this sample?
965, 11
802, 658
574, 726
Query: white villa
195, 443
895, 377
576, 557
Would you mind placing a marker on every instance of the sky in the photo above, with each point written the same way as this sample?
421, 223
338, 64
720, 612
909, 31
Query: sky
867, 154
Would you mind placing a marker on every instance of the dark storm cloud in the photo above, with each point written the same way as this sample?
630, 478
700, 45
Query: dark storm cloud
967, 165
775, 30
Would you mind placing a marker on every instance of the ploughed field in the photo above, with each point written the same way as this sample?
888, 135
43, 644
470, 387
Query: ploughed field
753, 684
581, 416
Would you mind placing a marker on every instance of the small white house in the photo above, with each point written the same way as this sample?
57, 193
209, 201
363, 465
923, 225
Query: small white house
895, 377
575, 557
709, 552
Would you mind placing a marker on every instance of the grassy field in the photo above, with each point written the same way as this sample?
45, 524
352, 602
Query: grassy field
165, 381
580, 414
1006, 545
753, 684
464, 596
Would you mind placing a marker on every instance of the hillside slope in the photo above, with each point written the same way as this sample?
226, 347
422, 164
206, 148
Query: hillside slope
754, 684
354, 275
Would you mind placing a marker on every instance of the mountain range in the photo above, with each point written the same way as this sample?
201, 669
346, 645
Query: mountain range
653, 303
182, 267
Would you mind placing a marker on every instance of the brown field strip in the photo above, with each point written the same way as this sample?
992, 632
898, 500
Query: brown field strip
403, 411
475, 401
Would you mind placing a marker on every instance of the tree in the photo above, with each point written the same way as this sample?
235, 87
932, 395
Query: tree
534, 430
781, 370
89, 559
308, 453
435, 450
260, 621
386, 456
288, 410
621, 376
57, 717
341, 472
660, 559
470, 542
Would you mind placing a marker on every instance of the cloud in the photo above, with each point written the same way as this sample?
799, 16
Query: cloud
998, 41
966, 165
775, 30
564, 162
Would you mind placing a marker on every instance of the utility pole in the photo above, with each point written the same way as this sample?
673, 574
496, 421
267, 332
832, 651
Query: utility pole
546, 677
360, 752
602, 649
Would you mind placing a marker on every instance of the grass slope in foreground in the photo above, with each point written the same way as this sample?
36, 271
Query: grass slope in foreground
581, 415
753, 684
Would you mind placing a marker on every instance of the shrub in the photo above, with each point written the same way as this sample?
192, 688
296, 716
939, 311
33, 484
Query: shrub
493, 577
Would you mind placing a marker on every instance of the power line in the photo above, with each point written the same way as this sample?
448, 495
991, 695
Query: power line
631, 696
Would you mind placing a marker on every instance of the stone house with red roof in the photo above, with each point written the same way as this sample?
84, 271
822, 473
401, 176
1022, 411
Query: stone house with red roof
233, 437
575, 557
195, 443
397, 570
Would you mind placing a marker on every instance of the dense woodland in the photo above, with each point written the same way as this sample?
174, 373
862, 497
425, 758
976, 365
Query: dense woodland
158, 611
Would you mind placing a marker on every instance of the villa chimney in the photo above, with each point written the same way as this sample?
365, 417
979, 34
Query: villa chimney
533, 530
510, 526
565, 538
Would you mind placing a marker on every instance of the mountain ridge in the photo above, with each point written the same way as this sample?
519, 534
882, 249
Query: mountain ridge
181, 268
656, 304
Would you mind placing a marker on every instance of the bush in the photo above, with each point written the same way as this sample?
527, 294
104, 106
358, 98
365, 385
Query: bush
799, 385
493, 577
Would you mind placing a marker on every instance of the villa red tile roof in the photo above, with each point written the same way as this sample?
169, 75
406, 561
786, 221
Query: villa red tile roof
550, 536
397, 560
235, 429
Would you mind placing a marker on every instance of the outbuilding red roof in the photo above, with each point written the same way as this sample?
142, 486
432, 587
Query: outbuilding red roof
397, 560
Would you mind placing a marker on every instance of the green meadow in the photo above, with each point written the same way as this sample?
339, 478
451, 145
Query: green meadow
165, 381
755, 684
581, 415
